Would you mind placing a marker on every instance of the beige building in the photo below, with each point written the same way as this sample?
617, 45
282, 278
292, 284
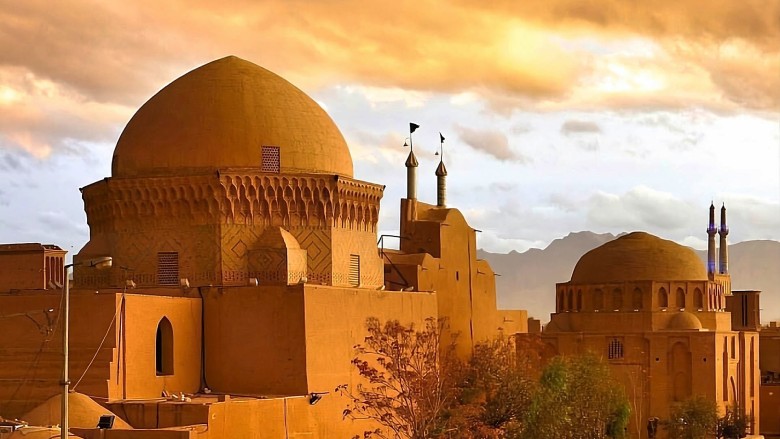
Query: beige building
245, 264
668, 327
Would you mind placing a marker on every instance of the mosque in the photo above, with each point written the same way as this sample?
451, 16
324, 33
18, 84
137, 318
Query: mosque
668, 327
245, 262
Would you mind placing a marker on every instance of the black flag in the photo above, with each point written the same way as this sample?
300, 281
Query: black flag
442, 138
412, 127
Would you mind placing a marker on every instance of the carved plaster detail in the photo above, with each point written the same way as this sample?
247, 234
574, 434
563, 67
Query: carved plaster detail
247, 197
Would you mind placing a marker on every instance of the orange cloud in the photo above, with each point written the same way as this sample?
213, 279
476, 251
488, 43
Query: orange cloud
542, 54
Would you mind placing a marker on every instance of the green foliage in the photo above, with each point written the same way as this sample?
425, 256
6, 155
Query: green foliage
409, 380
694, 418
495, 392
414, 388
733, 425
577, 398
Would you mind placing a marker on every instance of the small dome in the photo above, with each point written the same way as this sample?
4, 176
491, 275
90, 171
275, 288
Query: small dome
684, 320
638, 256
84, 412
220, 115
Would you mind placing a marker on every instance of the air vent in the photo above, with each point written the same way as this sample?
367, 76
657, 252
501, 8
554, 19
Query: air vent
168, 268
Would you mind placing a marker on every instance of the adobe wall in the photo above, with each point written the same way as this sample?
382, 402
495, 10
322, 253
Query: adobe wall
137, 345
30, 267
31, 357
770, 409
336, 322
225, 417
255, 340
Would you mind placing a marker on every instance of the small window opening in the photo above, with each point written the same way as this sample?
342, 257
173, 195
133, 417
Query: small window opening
271, 162
164, 348
354, 270
168, 268
663, 299
615, 349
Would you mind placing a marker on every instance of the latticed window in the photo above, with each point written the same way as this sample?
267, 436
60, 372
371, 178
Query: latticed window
354, 270
615, 349
271, 161
168, 268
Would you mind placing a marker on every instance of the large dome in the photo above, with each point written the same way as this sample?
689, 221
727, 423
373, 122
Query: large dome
638, 256
220, 115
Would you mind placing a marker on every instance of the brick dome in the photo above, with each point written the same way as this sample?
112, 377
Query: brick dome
638, 256
683, 321
221, 115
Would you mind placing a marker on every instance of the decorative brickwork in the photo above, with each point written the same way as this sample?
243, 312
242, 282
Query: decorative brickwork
214, 220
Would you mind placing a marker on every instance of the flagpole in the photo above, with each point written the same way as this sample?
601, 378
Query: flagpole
411, 143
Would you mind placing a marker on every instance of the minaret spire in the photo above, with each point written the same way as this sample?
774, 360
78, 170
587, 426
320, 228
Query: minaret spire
411, 167
441, 177
711, 231
724, 246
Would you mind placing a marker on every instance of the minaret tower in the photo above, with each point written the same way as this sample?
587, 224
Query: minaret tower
441, 178
724, 247
711, 231
411, 176
411, 167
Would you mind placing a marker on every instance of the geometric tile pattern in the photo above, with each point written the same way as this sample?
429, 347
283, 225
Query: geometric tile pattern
213, 222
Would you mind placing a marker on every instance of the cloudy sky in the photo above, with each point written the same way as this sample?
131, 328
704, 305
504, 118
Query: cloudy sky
560, 115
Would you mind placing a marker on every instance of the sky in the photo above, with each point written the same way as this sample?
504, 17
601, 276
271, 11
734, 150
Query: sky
559, 115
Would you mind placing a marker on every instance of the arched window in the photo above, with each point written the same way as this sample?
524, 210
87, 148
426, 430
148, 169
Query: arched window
560, 301
570, 300
680, 298
579, 300
617, 299
698, 299
636, 299
164, 347
598, 300
752, 365
663, 298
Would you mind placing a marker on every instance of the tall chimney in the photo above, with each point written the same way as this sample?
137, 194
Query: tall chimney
724, 246
711, 231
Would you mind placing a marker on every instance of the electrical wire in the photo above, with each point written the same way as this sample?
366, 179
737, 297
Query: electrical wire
108, 330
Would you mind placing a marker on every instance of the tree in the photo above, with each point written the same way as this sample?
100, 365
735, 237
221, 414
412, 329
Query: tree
577, 398
694, 418
410, 380
496, 390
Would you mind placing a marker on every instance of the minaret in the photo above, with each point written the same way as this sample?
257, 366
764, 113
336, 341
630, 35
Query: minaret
441, 185
711, 231
724, 246
411, 176
441, 178
411, 167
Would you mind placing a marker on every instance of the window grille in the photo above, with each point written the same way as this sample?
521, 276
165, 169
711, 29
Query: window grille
615, 349
354, 270
271, 161
168, 268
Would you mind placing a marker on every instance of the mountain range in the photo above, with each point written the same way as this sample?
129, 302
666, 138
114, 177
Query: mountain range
527, 280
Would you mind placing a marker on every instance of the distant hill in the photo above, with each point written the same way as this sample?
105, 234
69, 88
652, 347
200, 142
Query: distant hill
528, 279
